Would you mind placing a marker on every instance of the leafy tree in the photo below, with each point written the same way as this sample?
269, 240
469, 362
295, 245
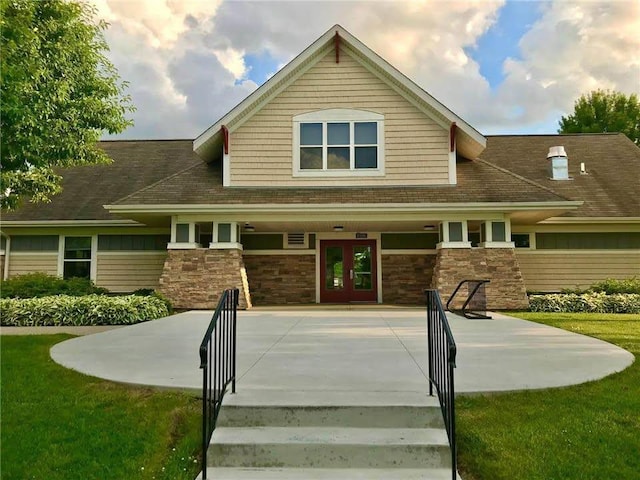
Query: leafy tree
604, 111
59, 94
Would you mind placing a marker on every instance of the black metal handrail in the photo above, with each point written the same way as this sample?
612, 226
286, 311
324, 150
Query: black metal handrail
442, 360
218, 364
477, 295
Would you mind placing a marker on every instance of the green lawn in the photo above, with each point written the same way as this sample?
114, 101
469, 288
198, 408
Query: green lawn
59, 424
589, 431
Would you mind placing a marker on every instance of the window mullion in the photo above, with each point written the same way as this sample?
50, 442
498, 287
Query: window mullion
325, 142
352, 148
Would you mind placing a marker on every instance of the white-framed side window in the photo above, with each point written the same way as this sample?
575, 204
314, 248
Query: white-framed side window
77, 257
338, 142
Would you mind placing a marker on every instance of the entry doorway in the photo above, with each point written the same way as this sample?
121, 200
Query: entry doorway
348, 271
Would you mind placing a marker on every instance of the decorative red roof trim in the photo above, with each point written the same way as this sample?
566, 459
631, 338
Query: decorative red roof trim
225, 136
452, 136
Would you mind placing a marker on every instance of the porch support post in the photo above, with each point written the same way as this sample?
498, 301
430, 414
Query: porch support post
195, 277
495, 260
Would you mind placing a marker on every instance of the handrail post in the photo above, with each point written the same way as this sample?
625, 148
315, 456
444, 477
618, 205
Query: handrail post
442, 361
236, 295
218, 364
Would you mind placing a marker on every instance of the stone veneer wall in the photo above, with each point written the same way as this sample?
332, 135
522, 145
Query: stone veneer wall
195, 278
499, 265
281, 279
405, 277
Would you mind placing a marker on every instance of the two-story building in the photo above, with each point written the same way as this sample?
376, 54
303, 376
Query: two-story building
340, 180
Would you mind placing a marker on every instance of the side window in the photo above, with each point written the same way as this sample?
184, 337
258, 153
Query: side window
77, 257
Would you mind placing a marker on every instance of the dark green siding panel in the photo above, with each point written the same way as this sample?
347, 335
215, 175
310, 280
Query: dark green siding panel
262, 241
182, 232
224, 232
312, 240
498, 232
132, 242
588, 241
455, 232
34, 243
3, 243
408, 241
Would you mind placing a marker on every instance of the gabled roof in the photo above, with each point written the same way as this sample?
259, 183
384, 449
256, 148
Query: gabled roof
470, 142
136, 164
610, 187
478, 182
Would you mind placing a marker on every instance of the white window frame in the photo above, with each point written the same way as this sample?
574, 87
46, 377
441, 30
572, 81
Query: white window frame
338, 115
93, 266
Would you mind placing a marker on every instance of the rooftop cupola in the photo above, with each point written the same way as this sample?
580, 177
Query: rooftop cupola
559, 163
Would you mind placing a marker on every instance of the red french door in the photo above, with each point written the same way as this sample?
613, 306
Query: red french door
348, 271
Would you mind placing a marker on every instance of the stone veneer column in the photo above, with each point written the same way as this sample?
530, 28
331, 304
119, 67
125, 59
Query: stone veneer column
499, 265
195, 278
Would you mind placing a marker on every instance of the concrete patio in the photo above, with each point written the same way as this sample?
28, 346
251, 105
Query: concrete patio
360, 350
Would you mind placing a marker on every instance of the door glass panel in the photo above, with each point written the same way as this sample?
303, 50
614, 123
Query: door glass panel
334, 265
362, 267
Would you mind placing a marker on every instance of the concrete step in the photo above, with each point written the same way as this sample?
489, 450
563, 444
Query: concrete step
339, 409
226, 473
329, 447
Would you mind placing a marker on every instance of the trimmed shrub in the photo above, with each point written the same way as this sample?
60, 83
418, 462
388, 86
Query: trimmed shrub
596, 302
611, 286
66, 310
38, 284
146, 292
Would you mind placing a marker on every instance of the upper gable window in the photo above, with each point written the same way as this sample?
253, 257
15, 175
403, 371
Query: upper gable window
338, 142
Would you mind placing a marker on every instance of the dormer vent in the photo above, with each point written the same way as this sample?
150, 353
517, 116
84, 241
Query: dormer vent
559, 163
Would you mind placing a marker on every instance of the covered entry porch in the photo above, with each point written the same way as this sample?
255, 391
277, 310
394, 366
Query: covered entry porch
331, 257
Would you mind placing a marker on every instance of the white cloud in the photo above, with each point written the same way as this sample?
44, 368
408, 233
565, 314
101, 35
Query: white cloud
574, 48
185, 59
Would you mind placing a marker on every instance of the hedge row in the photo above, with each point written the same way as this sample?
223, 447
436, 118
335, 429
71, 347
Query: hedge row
65, 310
38, 284
597, 302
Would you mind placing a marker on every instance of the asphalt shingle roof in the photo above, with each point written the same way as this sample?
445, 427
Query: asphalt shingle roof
511, 169
478, 181
136, 164
611, 187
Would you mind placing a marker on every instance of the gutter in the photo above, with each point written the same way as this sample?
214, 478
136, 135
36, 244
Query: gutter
342, 207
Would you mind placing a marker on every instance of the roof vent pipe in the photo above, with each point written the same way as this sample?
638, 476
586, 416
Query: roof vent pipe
559, 163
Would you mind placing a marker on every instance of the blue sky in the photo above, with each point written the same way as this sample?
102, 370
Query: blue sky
504, 67
493, 48
501, 40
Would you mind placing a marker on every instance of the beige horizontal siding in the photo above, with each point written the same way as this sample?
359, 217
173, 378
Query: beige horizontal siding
549, 272
21, 263
416, 148
126, 272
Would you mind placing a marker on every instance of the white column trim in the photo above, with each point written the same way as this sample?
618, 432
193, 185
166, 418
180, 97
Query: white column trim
93, 266
453, 174
174, 221
226, 164
7, 252
61, 255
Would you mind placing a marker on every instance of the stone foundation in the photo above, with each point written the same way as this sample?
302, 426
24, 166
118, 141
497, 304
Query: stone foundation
196, 278
499, 265
405, 277
281, 279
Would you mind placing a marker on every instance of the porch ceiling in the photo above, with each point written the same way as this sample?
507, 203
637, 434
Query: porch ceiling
348, 226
